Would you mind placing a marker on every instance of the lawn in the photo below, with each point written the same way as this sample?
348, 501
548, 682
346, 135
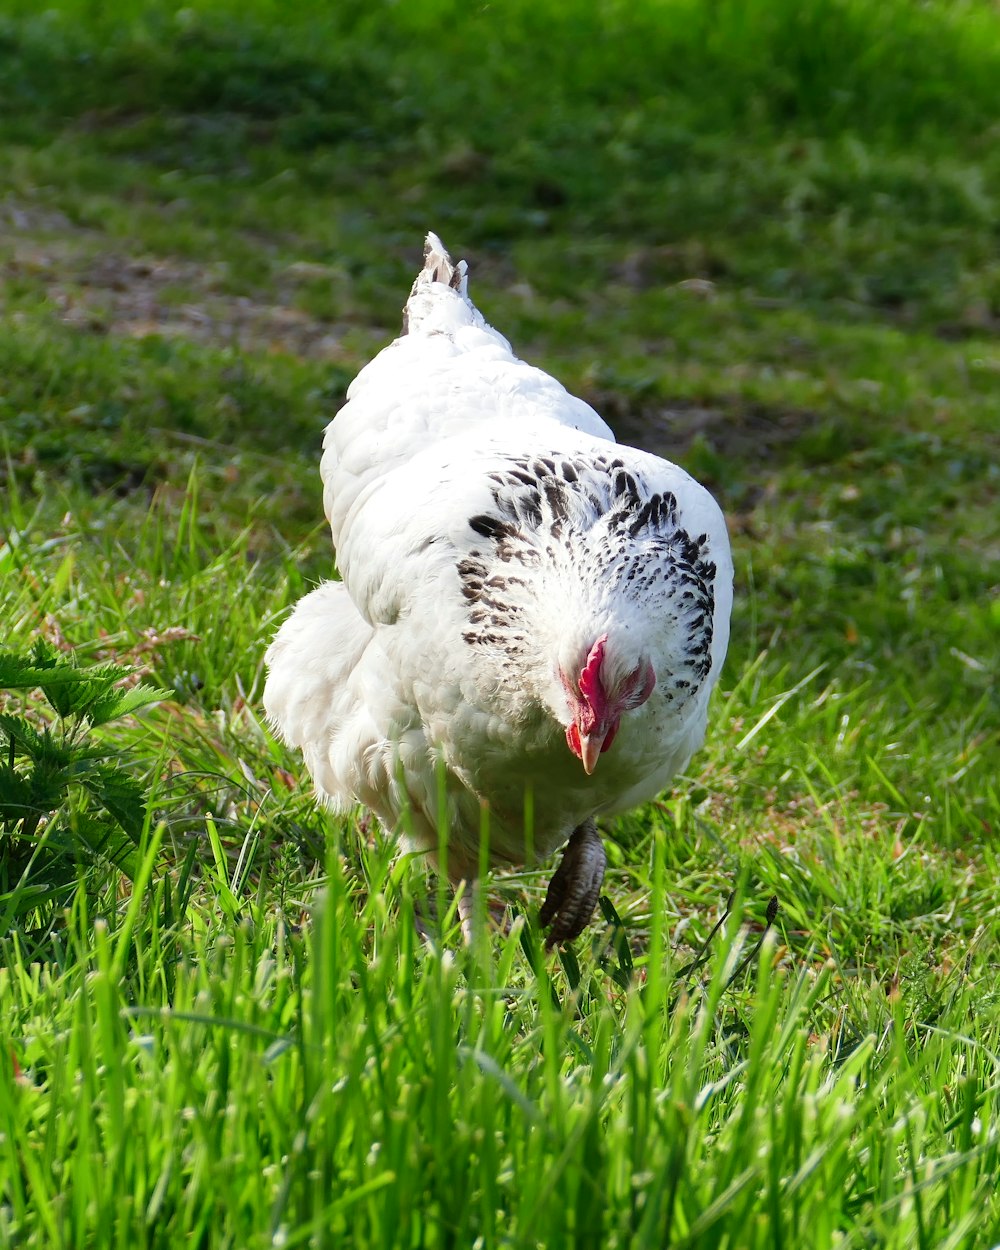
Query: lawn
762, 239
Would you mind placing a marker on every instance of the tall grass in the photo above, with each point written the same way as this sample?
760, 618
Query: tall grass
257, 1083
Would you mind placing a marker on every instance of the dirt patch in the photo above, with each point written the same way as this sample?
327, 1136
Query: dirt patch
744, 432
133, 298
106, 292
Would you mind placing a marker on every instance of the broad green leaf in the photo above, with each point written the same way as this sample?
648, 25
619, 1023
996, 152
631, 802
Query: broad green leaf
122, 702
96, 835
25, 738
45, 655
72, 690
38, 746
47, 780
16, 796
19, 673
121, 794
76, 698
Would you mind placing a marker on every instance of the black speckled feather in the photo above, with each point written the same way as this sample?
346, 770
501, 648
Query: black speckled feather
600, 520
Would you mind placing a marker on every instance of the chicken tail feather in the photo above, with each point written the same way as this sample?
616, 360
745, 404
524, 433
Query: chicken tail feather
423, 308
438, 266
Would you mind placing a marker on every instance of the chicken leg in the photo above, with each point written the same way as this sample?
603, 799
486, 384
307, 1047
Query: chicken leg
575, 886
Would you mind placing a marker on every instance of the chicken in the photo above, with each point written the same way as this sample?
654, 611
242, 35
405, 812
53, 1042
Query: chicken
529, 621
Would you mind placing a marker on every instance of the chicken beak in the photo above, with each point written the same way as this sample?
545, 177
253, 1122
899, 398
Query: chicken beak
587, 747
591, 746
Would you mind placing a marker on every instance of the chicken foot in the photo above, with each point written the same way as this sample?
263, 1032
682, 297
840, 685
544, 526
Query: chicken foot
575, 886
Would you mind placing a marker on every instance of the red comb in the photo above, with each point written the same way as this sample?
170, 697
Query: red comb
591, 686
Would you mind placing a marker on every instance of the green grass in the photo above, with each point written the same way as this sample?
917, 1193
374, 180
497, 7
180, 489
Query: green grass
257, 1086
761, 238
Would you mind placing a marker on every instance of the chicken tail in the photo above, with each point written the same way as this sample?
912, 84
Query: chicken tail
431, 308
438, 266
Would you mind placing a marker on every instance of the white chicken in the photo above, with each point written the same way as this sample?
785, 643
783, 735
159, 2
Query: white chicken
530, 618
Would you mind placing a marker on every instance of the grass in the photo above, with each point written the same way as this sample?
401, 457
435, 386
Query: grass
350, 1085
761, 238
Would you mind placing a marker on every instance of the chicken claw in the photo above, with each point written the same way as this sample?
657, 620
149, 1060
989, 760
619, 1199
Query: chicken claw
575, 887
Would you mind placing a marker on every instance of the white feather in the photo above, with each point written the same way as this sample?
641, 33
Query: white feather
374, 678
